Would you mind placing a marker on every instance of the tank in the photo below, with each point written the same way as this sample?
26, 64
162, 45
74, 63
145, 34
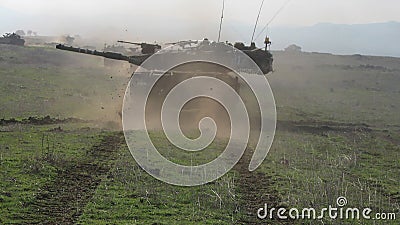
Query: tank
12, 39
198, 108
262, 57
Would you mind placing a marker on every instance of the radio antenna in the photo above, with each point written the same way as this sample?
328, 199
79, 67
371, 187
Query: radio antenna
255, 25
220, 23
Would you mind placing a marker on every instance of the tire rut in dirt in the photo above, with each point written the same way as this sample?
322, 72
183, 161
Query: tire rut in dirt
63, 200
255, 190
321, 127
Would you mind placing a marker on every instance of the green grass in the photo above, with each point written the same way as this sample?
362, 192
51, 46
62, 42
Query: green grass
317, 87
130, 195
30, 157
319, 169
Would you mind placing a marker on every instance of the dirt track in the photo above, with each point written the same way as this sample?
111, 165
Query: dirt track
39, 121
319, 127
63, 201
255, 187
255, 190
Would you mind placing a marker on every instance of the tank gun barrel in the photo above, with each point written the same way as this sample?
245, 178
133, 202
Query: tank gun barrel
141, 44
136, 60
110, 55
128, 42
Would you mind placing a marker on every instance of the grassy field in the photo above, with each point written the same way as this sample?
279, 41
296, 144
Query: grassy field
337, 135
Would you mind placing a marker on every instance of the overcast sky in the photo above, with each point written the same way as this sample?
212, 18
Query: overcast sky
184, 19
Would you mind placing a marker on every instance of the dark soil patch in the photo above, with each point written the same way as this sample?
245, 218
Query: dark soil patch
39, 121
63, 200
321, 127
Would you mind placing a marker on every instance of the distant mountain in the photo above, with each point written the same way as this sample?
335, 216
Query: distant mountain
367, 39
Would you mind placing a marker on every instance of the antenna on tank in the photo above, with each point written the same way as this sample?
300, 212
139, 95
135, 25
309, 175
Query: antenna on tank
255, 25
220, 23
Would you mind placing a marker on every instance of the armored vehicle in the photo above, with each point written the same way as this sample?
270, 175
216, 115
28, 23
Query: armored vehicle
262, 57
12, 39
200, 107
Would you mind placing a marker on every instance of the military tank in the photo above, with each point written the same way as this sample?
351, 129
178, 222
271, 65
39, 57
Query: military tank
12, 39
196, 109
262, 57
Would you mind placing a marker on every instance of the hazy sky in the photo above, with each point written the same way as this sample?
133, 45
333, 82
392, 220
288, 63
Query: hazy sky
184, 19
